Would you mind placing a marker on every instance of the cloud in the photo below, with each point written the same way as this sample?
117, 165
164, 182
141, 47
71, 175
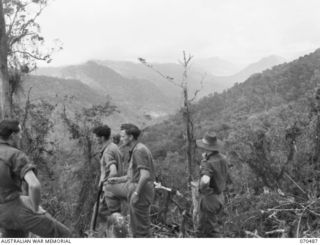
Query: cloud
126, 29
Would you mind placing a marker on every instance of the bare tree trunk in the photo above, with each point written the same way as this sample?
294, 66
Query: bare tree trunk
187, 115
4, 77
189, 134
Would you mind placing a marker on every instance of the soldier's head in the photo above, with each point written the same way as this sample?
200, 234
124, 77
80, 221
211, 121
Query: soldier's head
129, 133
10, 131
116, 139
102, 133
210, 143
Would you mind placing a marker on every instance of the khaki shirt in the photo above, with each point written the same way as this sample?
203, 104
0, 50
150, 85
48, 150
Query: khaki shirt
140, 158
215, 166
14, 164
110, 154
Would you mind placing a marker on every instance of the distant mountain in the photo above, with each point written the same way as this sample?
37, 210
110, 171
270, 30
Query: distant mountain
257, 67
131, 70
135, 94
75, 95
55, 89
261, 65
141, 89
217, 66
274, 98
199, 69
280, 85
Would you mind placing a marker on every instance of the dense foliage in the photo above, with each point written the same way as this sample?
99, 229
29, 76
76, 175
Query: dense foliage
271, 126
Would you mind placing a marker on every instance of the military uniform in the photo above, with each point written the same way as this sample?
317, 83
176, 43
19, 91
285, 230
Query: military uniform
109, 154
211, 196
140, 158
17, 217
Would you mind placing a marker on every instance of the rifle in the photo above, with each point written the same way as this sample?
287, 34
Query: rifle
93, 222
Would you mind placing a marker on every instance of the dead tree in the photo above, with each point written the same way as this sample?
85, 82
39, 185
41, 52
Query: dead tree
186, 109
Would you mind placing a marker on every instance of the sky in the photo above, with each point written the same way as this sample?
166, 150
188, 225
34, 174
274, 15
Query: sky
240, 31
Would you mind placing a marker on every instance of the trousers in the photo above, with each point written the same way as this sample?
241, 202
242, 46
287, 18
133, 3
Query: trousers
139, 212
210, 206
17, 219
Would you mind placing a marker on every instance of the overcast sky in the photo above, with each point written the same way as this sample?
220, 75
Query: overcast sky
158, 30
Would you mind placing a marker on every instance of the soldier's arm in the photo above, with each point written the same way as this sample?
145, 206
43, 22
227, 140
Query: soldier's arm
113, 170
34, 189
143, 164
102, 172
205, 173
144, 176
111, 163
22, 167
114, 180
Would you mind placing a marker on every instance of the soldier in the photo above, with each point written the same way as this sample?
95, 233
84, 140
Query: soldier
110, 162
20, 215
213, 178
137, 186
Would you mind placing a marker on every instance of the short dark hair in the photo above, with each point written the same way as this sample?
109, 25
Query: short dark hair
102, 131
116, 138
131, 129
7, 127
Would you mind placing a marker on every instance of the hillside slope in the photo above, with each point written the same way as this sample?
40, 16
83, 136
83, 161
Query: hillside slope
134, 94
75, 95
262, 95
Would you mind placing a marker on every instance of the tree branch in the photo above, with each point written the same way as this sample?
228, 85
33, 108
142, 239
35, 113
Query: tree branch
168, 78
295, 183
198, 90
13, 21
24, 27
31, 55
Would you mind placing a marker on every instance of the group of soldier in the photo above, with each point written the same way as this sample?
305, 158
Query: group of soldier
20, 214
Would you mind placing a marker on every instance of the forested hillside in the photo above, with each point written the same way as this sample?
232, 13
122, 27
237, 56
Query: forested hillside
270, 124
136, 87
76, 95
108, 69
58, 116
283, 86
135, 94
206, 71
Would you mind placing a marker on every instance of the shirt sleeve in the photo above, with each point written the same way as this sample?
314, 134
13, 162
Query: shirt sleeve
206, 168
21, 164
110, 157
141, 159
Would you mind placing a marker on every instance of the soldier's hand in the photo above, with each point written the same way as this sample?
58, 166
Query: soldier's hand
204, 156
134, 197
204, 181
112, 180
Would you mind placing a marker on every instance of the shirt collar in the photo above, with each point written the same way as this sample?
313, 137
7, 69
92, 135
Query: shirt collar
131, 150
133, 146
105, 145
